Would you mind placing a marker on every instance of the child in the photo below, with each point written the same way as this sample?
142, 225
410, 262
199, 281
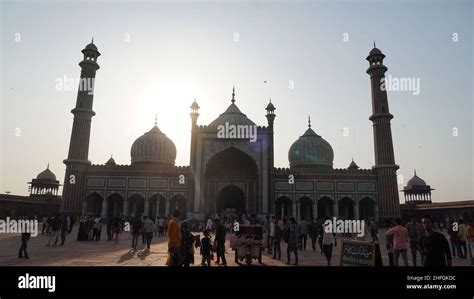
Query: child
117, 232
206, 249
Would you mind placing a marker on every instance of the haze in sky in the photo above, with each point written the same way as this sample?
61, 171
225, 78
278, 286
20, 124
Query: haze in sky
157, 56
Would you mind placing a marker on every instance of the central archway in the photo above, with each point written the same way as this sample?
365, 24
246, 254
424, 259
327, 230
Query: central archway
231, 182
231, 198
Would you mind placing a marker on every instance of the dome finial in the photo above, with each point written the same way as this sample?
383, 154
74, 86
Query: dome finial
47, 166
233, 94
156, 119
309, 121
92, 41
415, 171
374, 45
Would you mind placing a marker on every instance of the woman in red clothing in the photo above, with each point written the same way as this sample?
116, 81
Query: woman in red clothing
117, 232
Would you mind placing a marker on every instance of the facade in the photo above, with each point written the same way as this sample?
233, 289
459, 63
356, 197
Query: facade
231, 170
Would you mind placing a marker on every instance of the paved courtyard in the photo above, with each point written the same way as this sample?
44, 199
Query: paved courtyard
107, 253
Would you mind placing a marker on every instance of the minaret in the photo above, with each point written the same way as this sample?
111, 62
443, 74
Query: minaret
270, 114
271, 160
194, 116
193, 154
77, 160
385, 167
194, 112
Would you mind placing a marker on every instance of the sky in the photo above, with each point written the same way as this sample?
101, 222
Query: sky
157, 56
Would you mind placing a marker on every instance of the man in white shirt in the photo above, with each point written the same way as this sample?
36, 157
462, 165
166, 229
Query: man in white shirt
148, 230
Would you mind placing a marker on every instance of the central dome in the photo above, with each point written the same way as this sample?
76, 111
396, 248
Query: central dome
153, 146
232, 115
311, 150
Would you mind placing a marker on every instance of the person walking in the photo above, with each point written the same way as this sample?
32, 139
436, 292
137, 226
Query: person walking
271, 238
156, 227
49, 223
462, 236
99, 228
266, 231
81, 233
89, 226
143, 233
400, 236
292, 232
110, 229
454, 239
373, 229
220, 242
328, 241
45, 223
56, 224
161, 227
313, 233
389, 243
209, 224
64, 229
95, 228
320, 232
206, 249
148, 230
117, 232
278, 227
187, 245
72, 220
415, 232
434, 246
304, 227
22, 253
470, 239
136, 226
174, 240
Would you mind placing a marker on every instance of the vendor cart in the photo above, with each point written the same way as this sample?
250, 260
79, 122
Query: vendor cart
248, 243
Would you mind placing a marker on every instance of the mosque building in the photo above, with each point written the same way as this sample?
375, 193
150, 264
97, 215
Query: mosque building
231, 175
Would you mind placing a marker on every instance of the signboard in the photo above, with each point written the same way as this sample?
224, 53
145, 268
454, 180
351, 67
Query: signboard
357, 253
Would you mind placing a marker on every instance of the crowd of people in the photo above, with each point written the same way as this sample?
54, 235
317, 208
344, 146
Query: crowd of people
431, 246
427, 246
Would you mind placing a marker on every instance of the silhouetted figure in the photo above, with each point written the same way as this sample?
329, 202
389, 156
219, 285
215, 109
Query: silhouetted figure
220, 242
